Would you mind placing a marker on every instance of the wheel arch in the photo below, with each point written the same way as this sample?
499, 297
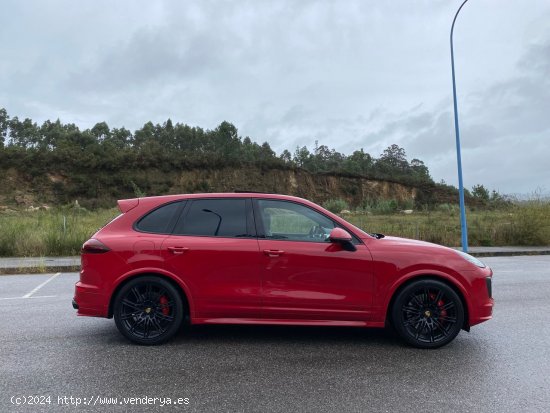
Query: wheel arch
176, 283
451, 282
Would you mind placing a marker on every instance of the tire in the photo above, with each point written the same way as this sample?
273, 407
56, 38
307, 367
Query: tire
427, 314
148, 310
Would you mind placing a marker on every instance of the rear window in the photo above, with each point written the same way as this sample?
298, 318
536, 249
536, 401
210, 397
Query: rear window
158, 221
214, 218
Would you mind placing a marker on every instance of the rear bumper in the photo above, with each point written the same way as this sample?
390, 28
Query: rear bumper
89, 302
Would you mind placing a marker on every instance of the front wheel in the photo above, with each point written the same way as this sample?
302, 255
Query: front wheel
148, 310
427, 314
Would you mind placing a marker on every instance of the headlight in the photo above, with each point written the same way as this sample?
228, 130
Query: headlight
471, 259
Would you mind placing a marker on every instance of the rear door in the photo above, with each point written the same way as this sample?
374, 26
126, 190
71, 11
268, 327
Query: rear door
214, 250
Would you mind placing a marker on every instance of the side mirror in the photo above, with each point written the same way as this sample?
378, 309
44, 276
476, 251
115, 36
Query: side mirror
342, 237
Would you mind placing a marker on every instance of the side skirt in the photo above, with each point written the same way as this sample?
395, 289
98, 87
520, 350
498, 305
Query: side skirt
288, 322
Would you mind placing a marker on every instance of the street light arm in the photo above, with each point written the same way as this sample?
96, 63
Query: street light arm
454, 20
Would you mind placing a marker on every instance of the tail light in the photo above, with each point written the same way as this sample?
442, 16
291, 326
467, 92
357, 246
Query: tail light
93, 246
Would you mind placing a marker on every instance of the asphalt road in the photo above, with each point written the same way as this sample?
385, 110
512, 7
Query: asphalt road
500, 366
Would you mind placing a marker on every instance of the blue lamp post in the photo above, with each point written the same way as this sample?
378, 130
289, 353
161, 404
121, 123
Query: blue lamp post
463, 225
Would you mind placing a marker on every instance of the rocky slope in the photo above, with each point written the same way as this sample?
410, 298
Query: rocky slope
103, 189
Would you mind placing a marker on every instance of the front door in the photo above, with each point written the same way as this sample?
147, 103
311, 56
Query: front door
304, 275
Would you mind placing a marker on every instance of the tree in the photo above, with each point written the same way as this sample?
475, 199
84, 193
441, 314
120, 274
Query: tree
249, 150
266, 153
119, 138
420, 170
395, 157
55, 135
359, 162
286, 157
101, 131
225, 142
143, 135
481, 193
24, 134
301, 156
4, 122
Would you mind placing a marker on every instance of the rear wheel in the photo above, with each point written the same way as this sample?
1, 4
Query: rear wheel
428, 314
148, 310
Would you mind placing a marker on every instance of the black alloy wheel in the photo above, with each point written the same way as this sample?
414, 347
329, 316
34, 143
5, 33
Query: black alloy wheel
148, 310
427, 314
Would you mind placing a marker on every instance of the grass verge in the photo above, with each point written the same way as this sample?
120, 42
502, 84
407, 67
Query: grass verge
61, 232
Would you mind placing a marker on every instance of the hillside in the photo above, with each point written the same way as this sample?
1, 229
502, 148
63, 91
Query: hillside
56, 163
100, 189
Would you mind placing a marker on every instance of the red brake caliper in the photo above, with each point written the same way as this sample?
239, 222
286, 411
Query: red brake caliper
163, 301
442, 312
440, 304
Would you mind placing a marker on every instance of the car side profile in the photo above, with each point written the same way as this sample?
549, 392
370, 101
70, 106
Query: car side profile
251, 258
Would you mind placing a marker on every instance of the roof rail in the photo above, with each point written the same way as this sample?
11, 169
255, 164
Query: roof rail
239, 191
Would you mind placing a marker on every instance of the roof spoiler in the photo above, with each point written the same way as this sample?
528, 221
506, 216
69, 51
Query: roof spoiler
126, 205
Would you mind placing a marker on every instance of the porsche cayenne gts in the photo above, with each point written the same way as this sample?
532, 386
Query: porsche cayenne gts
255, 258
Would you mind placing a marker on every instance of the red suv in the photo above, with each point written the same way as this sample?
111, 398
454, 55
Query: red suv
271, 259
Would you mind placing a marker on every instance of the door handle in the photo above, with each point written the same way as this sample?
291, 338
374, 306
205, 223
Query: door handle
273, 253
177, 250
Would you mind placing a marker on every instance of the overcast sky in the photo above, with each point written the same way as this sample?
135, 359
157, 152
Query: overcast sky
350, 74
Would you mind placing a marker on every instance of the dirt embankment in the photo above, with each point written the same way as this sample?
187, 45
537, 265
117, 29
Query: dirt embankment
103, 189
300, 183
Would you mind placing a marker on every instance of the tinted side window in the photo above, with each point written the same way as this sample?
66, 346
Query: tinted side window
158, 220
215, 218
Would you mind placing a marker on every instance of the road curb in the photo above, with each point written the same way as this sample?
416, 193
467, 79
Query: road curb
508, 253
38, 269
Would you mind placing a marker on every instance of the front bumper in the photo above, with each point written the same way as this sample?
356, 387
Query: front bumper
483, 313
481, 299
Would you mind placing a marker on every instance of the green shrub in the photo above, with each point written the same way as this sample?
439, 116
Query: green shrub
407, 204
381, 206
336, 205
451, 209
529, 224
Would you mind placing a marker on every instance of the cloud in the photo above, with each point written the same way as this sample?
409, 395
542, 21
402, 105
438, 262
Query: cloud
349, 74
505, 129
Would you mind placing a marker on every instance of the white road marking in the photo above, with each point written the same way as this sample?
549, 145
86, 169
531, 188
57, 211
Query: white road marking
41, 285
27, 298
